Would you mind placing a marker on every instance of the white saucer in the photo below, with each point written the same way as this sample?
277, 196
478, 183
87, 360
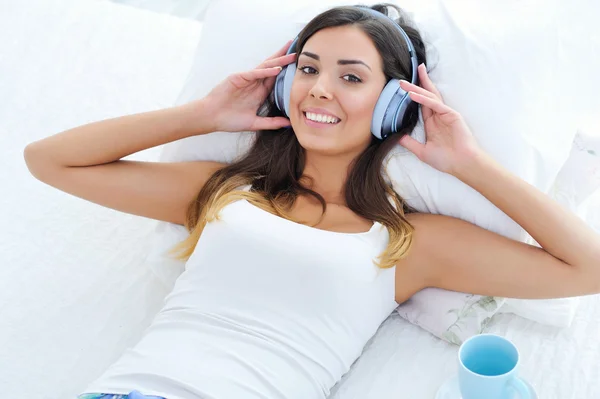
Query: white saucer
451, 390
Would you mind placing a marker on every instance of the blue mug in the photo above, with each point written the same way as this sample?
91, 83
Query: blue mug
487, 368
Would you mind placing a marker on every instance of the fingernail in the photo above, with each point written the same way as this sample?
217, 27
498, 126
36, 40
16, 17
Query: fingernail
278, 67
403, 81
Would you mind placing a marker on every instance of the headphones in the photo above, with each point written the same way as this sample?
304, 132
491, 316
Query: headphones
391, 105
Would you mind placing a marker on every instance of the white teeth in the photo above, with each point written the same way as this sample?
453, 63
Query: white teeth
321, 118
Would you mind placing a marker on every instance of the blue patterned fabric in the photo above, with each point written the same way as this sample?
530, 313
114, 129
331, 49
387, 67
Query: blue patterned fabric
130, 395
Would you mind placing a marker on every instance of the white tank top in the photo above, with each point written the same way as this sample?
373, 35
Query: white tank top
266, 308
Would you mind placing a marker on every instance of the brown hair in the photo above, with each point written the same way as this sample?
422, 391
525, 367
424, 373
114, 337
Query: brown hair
275, 163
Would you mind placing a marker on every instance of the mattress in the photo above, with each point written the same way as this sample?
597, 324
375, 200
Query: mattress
76, 287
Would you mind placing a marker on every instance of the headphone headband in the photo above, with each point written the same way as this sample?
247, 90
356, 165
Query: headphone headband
411, 48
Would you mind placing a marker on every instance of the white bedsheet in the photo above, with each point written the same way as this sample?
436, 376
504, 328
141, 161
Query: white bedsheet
75, 289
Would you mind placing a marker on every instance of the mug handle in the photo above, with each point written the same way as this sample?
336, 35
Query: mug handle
518, 385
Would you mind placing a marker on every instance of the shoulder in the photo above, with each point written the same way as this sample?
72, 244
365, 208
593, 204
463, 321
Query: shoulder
437, 237
436, 240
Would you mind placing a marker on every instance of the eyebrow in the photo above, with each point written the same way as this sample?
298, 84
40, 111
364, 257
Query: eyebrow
340, 62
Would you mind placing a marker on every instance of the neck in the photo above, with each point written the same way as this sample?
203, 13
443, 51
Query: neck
328, 175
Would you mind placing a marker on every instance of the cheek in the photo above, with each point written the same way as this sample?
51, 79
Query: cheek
298, 93
359, 107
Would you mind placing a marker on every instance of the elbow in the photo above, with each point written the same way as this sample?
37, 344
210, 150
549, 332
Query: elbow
594, 266
594, 283
36, 161
30, 157
587, 266
29, 153
596, 277
590, 278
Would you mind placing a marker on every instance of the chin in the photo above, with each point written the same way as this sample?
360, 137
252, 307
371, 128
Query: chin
320, 144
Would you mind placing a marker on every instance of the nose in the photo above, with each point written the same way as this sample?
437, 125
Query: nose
321, 89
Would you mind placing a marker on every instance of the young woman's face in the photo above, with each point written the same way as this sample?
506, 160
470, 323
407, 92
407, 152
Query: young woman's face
337, 84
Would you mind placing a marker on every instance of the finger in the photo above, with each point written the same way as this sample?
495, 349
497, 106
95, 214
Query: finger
270, 123
426, 83
435, 104
279, 61
269, 83
426, 112
407, 86
242, 78
281, 51
412, 145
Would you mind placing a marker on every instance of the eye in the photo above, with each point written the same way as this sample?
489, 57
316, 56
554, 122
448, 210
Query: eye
352, 78
307, 70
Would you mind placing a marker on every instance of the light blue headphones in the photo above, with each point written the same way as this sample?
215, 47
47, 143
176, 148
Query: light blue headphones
391, 105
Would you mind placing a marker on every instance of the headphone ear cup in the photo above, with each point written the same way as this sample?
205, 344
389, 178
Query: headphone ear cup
400, 104
381, 124
390, 110
283, 83
283, 88
278, 89
290, 72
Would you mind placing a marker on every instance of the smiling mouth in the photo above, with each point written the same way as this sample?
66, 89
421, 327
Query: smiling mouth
321, 119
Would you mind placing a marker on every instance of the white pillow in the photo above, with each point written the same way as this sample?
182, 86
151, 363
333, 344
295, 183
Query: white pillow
579, 178
451, 316
502, 78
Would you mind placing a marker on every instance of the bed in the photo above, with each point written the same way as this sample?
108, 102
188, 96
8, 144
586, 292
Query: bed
76, 288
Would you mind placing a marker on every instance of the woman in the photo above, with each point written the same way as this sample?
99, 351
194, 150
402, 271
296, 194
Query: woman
311, 250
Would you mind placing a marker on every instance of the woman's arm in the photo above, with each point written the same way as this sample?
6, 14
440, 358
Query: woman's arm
86, 161
109, 140
230, 106
560, 232
452, 254
456, 255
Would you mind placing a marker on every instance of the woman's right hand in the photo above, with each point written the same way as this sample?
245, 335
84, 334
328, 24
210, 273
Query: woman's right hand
233, 103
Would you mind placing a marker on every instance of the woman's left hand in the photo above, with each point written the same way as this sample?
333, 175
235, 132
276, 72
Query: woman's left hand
450, 145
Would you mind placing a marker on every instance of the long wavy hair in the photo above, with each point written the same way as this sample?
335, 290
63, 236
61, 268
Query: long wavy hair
274, 165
